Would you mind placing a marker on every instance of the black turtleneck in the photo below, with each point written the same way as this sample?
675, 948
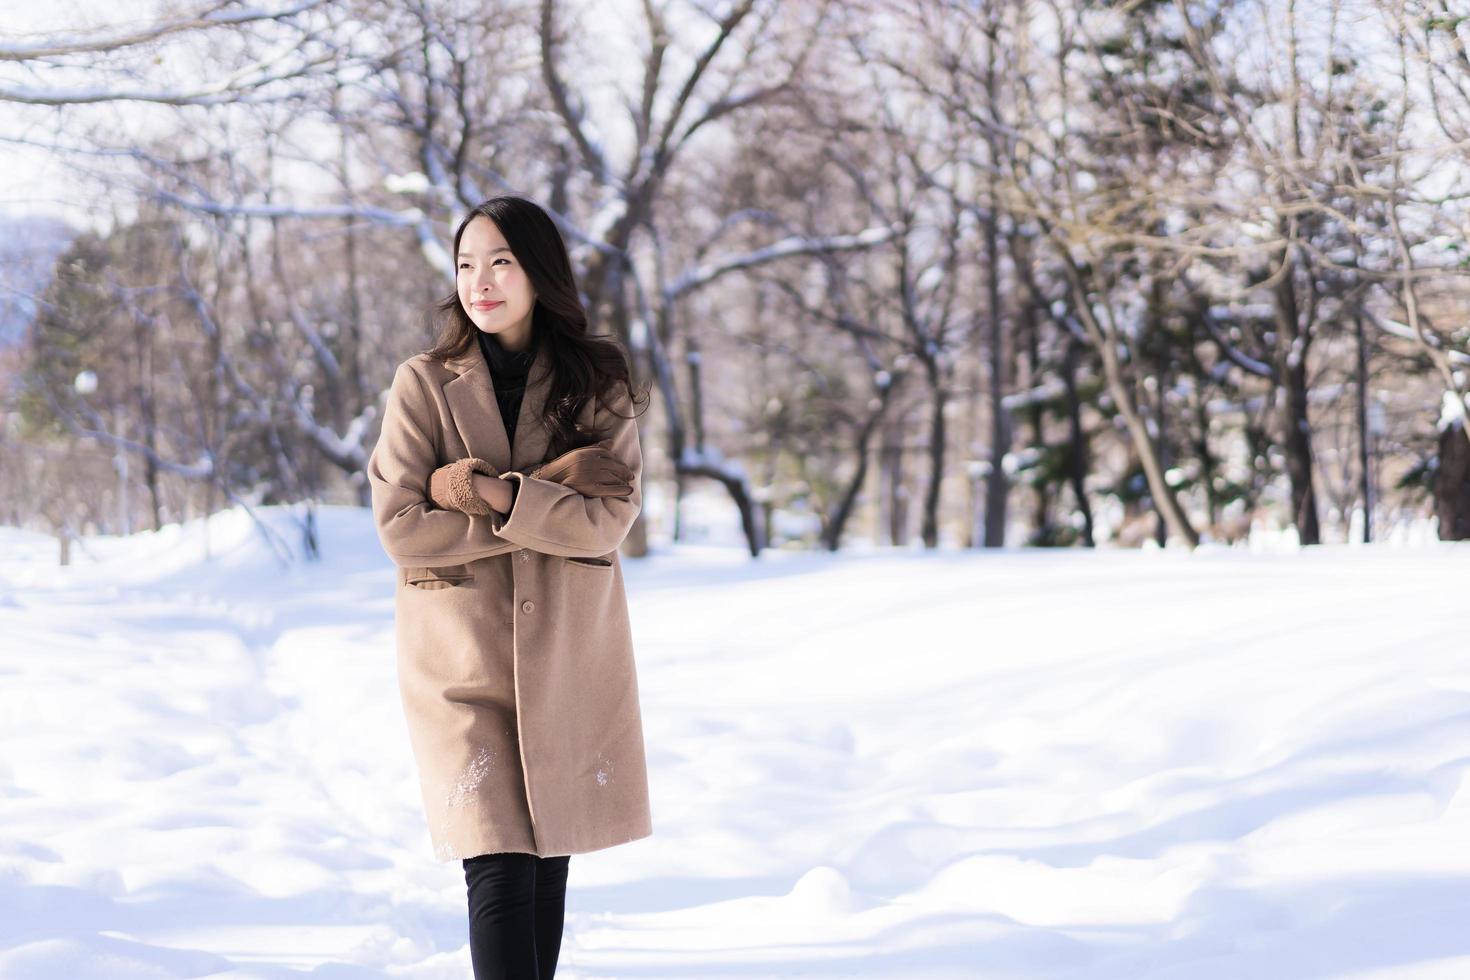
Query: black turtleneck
508, 369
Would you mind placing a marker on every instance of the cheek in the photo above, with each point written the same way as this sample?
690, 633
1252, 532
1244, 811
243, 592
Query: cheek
521, 286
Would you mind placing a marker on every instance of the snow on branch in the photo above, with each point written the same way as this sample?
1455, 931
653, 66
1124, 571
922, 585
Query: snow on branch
1048, 391
432, 248
1403, 330
213, 16
228, 91
712, 462
242, 85
795, 245
408, 217
346, 450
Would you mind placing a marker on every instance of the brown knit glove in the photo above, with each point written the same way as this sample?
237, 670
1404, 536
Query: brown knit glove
451, 488
592, 471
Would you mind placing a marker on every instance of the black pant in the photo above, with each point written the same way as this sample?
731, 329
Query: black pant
517, 906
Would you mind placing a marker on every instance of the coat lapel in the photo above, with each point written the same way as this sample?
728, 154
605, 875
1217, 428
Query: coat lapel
471, 398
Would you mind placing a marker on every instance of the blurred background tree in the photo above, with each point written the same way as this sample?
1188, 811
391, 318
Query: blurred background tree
1023, 273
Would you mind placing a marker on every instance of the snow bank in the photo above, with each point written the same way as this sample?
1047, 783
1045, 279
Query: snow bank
886, 764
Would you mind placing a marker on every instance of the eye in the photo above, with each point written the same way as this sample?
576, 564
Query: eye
464, 265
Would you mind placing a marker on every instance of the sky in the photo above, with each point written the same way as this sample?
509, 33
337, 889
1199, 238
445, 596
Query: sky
606, 48
602, 58
33, 182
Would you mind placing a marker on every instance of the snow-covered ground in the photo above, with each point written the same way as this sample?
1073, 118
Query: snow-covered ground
886, 764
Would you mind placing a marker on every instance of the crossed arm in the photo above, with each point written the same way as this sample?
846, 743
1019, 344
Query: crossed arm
539, 514
496, 492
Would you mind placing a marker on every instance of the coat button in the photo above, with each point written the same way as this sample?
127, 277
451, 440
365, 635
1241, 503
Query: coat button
528, 606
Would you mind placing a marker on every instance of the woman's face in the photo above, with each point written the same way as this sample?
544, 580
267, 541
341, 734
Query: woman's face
493, 287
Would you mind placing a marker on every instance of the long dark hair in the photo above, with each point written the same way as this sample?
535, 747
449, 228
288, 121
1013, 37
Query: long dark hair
582, 366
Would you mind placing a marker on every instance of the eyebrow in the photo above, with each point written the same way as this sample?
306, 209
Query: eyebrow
467, 255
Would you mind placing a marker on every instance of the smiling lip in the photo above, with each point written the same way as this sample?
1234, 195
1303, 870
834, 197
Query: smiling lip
488, 306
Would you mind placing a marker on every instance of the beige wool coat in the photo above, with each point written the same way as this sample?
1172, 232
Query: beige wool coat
514, 646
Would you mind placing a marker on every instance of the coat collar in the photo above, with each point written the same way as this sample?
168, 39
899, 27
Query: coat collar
471, 398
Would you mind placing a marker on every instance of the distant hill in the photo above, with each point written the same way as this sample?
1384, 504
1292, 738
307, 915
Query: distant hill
29, 245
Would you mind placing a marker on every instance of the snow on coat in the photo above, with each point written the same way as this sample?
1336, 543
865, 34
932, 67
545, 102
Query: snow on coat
515, 652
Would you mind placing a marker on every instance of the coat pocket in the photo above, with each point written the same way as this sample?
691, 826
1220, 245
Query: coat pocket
592, 562
442, 577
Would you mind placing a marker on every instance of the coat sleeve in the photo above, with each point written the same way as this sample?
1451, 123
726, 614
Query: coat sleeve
556, 520
412, 529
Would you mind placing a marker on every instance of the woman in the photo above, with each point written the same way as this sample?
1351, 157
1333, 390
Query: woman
506, 476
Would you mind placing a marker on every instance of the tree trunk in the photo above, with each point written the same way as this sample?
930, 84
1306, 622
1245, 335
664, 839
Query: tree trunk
1208, 466
1452, 484
1077, 454
997, 483
837, 523
1105, 340
930, 529
895, 493
1292, 344
1365, 478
